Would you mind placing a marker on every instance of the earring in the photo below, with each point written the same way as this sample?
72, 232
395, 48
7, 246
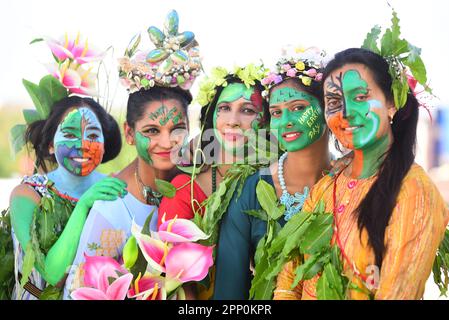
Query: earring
391, 120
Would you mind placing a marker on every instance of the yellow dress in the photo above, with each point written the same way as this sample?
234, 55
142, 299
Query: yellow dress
415, 230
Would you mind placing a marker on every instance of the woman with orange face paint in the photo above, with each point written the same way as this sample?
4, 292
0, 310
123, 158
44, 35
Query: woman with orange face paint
156, 124
388, 216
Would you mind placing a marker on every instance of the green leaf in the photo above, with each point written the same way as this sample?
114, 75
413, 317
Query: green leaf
400, 90
17, 137
268, 199
308, 269
259, 214
28, 264
330, 286
417, 68
36, 40
395, 29
52, 91
370, 41
319, 234
166, 188
35, 93
51, 293
146, 225
30, 116
387, 44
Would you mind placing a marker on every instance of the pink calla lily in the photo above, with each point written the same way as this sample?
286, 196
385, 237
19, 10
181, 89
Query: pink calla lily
98, 273
187, 262
180, 230
148, 288
154, 250
76, 80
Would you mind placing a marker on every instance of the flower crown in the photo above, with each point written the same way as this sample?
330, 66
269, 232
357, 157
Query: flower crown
69, 74
304, 64
248, 75
402, 58
174, 62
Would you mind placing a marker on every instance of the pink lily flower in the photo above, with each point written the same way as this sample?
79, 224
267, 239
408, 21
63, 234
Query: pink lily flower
187, 262
77, 50
148, 288
180, 230
76, 80
99, 272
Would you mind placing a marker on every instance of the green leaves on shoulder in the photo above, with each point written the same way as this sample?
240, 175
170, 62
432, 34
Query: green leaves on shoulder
165, 188
266, 195
440, 267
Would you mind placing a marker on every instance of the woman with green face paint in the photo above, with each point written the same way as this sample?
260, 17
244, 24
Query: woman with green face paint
48, 210
297, 121
388, 216
156, 125
230, 113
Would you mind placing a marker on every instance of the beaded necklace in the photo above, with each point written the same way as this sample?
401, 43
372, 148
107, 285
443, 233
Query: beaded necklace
293, 203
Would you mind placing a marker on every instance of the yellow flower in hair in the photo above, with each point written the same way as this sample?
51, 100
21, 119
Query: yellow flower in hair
306, 81
300, 66
300, 49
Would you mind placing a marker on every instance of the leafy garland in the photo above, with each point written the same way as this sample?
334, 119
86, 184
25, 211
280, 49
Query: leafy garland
49, 220
7, 280
400, 55
306, 233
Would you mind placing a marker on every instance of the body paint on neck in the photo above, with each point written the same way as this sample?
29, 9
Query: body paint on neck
79, 142
361, 117
231, 93
308, 123
143, 146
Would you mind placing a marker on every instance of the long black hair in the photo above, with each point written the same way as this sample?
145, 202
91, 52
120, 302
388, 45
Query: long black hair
40, 134
375, 210
139, 99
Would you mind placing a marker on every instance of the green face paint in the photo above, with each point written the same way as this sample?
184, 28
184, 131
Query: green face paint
307, 124
143, 146
166, 115
231, 93
360, 113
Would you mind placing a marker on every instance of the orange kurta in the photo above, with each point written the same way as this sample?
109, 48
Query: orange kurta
415, 230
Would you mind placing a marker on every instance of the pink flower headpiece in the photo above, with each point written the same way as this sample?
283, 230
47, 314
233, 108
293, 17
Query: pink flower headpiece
304, 64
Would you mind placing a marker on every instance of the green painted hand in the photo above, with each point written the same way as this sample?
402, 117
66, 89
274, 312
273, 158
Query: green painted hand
108, 189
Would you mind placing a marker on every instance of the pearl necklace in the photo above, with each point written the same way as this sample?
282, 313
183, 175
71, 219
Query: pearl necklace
293, 203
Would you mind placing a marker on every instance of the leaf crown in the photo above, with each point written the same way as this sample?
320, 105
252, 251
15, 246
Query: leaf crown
402, 58
249, 75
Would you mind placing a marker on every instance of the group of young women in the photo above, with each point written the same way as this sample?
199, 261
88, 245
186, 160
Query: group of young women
387, 212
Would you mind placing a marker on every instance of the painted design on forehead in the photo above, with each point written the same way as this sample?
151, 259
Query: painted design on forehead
143, 147
235, 91
79, 142
306, 125
165, 116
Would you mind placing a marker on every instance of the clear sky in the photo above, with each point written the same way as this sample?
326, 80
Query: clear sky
229, 31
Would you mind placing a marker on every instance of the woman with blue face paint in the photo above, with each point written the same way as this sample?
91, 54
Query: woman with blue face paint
297, 120
48, 210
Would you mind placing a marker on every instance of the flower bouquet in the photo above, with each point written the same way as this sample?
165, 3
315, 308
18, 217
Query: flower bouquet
154, 265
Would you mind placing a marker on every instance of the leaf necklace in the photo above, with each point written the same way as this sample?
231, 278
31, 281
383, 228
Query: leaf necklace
151, 196
293, 203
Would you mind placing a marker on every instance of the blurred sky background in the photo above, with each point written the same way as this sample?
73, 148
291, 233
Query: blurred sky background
229, 32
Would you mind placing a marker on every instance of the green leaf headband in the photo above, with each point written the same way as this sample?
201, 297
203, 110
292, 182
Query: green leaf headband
208, 87
174, 62
401, 57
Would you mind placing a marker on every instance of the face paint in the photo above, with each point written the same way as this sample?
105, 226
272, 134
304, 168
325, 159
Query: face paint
165, 116
79, 142
296, 129
143, 147
356, 121
231, 93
